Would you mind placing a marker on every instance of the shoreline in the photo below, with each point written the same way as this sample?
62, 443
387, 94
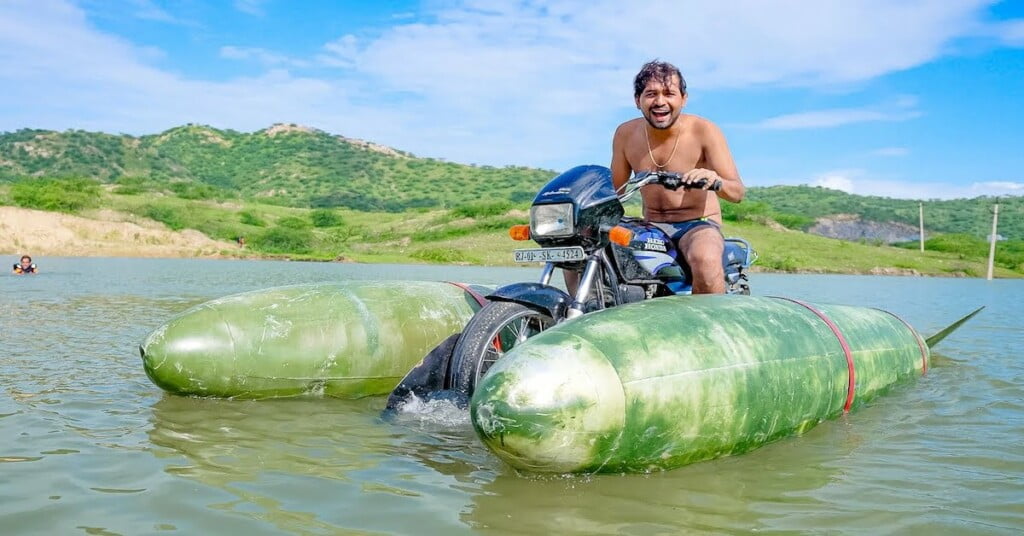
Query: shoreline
42, 234
240, 256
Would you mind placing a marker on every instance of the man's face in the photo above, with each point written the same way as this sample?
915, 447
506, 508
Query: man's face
25, 263
660, 104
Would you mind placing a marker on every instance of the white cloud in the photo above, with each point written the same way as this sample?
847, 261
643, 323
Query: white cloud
342, 52
891, 151
729, 44
516, 74
939, 190
902, 110
834, 181
1011, 32
146, 9
861, 182
87, 79
999, 188
832, 118
251, 7
261, 55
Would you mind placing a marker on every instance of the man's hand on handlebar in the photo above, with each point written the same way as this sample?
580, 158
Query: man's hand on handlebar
695, 179
702, 179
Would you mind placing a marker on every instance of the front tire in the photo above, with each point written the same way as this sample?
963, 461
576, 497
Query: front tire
494, 330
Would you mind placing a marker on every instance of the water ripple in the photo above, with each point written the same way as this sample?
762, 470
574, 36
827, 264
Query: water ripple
93, 446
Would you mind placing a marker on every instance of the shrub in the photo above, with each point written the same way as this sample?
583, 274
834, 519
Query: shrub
445, 232
792, 221
128, 190
335, 238
439, 255
1009, 253
478, 210
130, 185
965, 245
170, 217
747, 211
522, 196
193, 190
293, 222
61, 195
323, 217
284, 240
249, 217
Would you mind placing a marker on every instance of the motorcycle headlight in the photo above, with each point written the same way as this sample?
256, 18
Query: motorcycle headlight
552, 220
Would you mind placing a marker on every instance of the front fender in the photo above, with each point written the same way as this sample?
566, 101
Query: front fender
546, 299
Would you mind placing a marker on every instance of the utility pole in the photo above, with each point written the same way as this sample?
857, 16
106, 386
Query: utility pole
920, 208
992, 244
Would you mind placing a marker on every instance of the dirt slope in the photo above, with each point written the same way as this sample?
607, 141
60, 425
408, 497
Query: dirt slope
112, 234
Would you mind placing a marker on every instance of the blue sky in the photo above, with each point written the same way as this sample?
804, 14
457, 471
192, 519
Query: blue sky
916, 99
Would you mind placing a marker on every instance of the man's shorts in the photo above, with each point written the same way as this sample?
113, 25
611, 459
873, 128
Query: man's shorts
676, 230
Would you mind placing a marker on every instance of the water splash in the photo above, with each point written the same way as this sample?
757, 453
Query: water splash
446, 409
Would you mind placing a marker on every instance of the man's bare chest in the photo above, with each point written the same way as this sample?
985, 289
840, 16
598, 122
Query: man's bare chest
680, 157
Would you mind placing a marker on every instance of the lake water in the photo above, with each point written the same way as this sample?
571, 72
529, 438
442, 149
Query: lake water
89, 446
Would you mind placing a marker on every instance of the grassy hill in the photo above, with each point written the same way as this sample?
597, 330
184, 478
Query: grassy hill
469, 234
966, 216
297, 166
285, 164
304, 193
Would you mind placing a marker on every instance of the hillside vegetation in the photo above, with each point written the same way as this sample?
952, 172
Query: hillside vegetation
301, 193
285, 164
966, 216
468, 234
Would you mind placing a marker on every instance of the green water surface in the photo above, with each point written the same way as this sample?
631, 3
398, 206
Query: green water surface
89, 446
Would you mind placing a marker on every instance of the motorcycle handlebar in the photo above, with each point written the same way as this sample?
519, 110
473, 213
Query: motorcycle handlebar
671, 180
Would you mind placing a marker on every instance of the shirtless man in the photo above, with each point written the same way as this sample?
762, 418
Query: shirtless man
666, 139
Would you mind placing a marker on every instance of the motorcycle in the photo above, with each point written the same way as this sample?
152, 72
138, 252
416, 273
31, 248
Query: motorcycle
579, 221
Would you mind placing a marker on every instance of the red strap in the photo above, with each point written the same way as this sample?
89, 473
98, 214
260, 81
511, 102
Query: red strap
917, 338
482, 301
476, 295
842, 341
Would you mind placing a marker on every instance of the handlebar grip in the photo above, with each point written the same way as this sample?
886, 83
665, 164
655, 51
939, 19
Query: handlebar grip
715, 186
674, 181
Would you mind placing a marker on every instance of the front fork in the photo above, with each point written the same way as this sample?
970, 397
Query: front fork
585, 287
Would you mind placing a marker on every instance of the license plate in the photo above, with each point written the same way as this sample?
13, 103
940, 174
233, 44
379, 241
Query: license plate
574, 253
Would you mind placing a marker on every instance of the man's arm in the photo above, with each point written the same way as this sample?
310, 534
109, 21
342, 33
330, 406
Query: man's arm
718, 158
620, 165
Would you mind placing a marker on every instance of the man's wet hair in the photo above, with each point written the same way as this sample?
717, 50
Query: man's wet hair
23, 257
661, 71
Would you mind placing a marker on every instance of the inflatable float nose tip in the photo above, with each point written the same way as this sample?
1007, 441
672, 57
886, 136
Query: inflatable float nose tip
550, 408
177, 352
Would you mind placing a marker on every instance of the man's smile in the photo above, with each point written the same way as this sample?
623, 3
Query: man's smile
661, 114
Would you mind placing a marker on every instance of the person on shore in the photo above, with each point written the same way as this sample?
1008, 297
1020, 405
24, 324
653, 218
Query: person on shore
665, 139
25, 266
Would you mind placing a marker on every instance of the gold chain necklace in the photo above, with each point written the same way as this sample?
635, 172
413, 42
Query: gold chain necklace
647, 136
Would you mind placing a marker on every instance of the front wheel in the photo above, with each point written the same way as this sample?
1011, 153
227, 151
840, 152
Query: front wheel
494, 330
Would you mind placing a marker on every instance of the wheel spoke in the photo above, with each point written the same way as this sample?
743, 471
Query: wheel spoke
521, 334
511, 332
